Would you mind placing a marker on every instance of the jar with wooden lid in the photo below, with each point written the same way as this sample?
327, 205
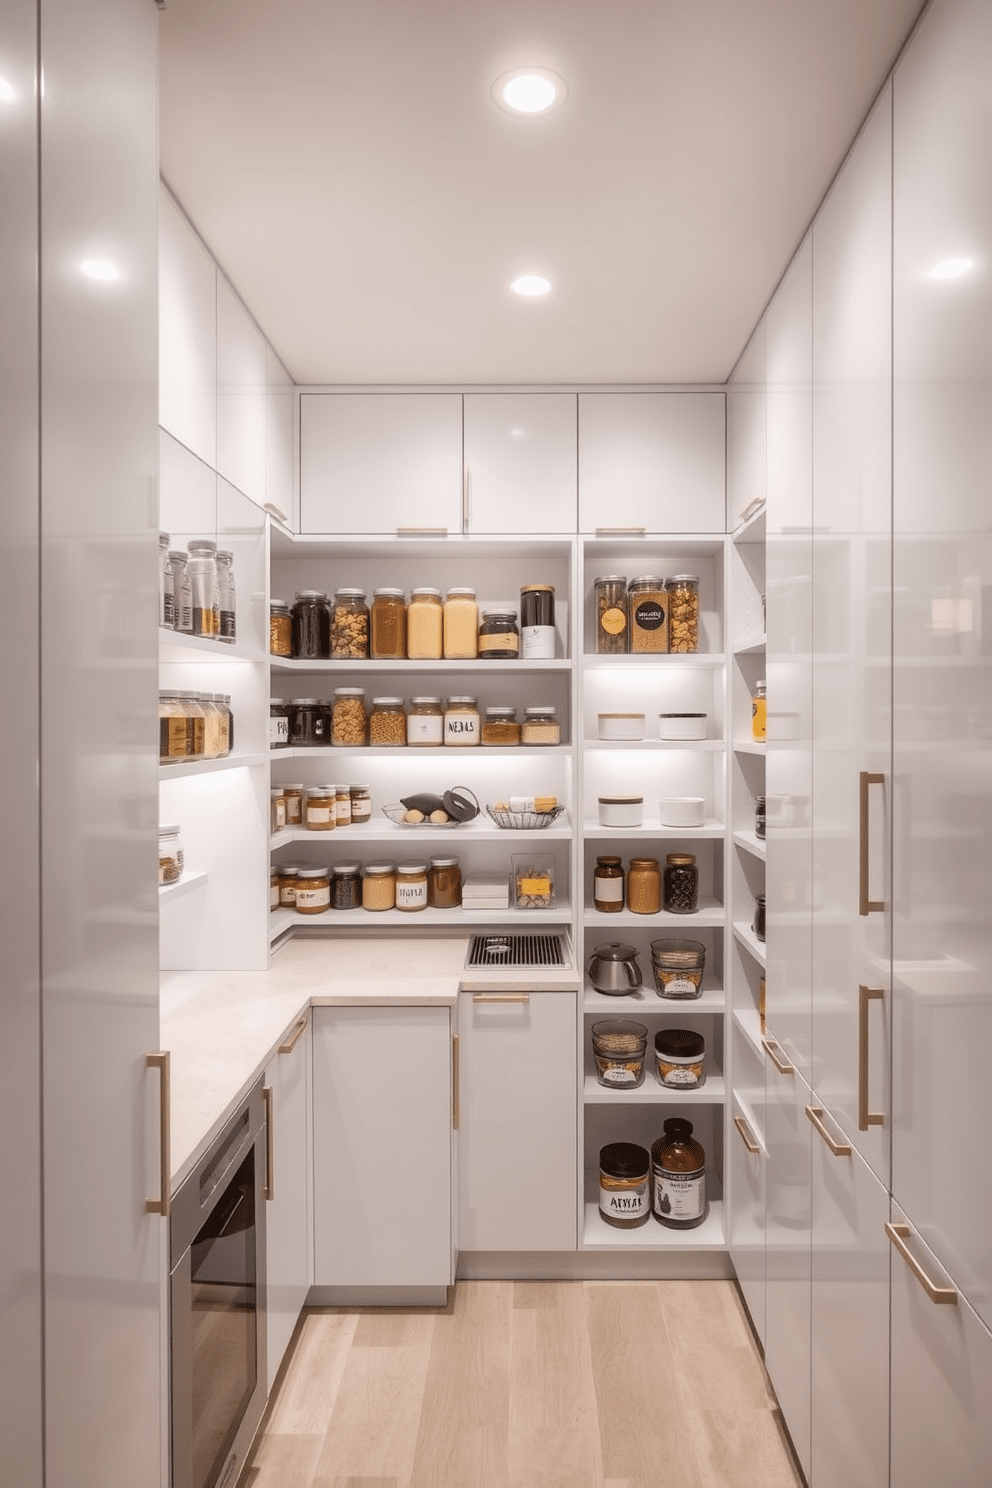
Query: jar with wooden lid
321, 808
461, 722
277, 809
349, 625
647, 607
411, 886
361, 804
287, 884
280, 628
607, 885
644, 886
678, 1170
444, 883
342, 806
683, 612
294, 804
425, 723
611, 615
388, 625
500, 726
461, 625
499, 638
681, 883
349, 720
311, 625
313, 891
387, 723
379, 887
425, 625
346, 886
540, 727
624, 1185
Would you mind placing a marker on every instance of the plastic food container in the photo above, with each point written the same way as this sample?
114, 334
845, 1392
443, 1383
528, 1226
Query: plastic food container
682, 725
681, 811
679, 1056
621, 726
621, 811
678, 967
618, 1047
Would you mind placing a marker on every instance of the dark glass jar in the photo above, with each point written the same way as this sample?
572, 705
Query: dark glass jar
278, 724
624, 1185
308, 722
346, 886
444, 883
607, 886
678, 1170
758, 924
311, 625
681, 883
759, 818
499, 638
537, 622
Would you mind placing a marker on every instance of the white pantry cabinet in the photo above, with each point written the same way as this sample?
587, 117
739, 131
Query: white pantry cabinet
517, 1121
241, 395
287, 1189
187, 352
382, 1150
520, 462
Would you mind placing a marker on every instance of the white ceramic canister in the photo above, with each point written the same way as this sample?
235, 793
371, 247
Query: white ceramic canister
621, 811
682, 725
621, 726
681, 811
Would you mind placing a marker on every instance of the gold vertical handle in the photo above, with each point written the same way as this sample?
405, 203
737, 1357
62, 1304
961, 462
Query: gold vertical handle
466, 498
899, 1234
866, 905
294, 1038
746, 1136
501, 997
270, 1150
455, 1091
773, 1048
162, 1204
839, 1149
866, 1118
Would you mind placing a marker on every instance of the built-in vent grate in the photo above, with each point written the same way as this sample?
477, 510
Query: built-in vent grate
516, 950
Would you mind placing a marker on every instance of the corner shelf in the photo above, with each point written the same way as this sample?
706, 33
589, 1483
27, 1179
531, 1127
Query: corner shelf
747, 938
598, 1235
169, 893
600, 1004
653, 1093
751, 843
209, 767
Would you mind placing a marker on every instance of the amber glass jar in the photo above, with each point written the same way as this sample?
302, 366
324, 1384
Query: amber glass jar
320, 812
607, 886
644, 886
313, 891
388, 622
624, 1181
500, 726
678, 1165
681, 883
444, 883
342, 806
499, 637
294, 804
361, 804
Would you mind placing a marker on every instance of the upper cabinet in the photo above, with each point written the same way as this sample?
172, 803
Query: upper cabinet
380, 462
652, 461
241, 395
278, 435
520, 462
187, 334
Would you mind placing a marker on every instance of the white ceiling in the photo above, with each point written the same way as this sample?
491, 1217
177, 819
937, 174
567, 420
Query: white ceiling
347, 166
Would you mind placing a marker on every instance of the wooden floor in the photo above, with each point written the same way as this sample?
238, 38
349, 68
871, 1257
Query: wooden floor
529, 1385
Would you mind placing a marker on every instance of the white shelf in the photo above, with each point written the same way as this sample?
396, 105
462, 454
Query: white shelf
598, 1235
747, 938
386, 831
174, 648
748, 1020
638, 1004
189, 881
752, 530
754, 647
715, 745
593, 661
418, 751
336, 919
749, 746
653, 1093
210, 767
751, 843
355, 666
709, 913
711, 828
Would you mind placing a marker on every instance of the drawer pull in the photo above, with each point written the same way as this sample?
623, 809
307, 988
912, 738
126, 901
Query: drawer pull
746, 1136
294, 1038
620, 531
898, 1234
270, 1145
772, 1048
162, 1205
501, 997
866, 1118
455, 1083
839, 1149
421, 532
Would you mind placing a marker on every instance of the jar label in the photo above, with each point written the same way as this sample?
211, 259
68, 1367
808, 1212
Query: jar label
294, 811
278, 815
608, 890
680, 987
649, 615
624, 1203
679, 1195
411, 895
613, 621
287, 895
461, 728
342, 814
537, 642
619, 1074
314, 898
501, 641
319, 816
679, 1074
274, 896
424, 728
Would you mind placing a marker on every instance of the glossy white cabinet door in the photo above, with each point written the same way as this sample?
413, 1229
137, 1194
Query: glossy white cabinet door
378, 462
655, 461
942, 686
287, 1212
187, 334
517, 1128
941, 1378
241, 395
278, 435
747, 440
849, 1426
382, 1125
852, 525
748, 1163
520, 462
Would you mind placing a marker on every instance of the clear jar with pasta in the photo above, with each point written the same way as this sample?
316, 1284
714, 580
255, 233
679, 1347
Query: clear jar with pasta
388, 625
425, 625
683, 612
349, 720
387, 723
349, 625
321, 808
425, 723
313, 891
461, 625
379, 887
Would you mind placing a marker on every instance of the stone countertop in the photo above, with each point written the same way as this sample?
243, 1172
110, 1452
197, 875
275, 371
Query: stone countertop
222, 1027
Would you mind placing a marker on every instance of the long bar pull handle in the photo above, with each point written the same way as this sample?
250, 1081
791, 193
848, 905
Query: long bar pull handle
898, 1234
866, 1118
421, 532
839, 1149
746, 1136
866, 905
772, 1048
620, 531
294, 1038
501, 997
455, 1083
270, 1146
466, 498
162, 1204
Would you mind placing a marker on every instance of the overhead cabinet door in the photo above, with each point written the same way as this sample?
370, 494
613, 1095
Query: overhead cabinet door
380, 462
520, 462
654, 461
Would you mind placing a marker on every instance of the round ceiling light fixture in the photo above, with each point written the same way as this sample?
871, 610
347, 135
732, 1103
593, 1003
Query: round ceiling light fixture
531, 286
529, 91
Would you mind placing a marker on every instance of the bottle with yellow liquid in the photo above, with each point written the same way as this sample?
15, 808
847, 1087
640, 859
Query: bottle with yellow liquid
759, 713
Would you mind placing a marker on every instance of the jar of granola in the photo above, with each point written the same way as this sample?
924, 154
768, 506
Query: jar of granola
683, 612
387, 722
349, 625
425, 625
349, 721
461, 625
425, 722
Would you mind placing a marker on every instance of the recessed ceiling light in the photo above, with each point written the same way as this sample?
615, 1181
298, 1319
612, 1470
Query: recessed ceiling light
531, 286
100, 268
7, 94
951, 268
529, 90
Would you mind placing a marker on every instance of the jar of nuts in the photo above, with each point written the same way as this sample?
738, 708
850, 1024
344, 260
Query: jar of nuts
387, 722
349, 721
683, 612
349, 625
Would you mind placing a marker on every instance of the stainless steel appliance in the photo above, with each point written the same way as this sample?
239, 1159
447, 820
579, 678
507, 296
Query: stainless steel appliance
217, 1262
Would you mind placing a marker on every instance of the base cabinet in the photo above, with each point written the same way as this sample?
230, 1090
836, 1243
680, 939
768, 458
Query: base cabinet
287, 1219
517, 1121
382, 1147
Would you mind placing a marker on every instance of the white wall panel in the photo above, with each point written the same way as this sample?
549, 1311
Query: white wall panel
188, 334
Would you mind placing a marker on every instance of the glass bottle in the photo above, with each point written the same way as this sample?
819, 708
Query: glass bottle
678, 1167
166, 587
228, 596
681, 883
537, 622
182, 589
643, 886
202, 569
607, 885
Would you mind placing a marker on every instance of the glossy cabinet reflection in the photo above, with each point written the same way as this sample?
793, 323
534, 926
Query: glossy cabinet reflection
287, 1190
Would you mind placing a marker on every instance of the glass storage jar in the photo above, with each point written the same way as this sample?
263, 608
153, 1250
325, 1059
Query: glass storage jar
361, 804
313, 891
683, 612
607, 885
411, 886
175, 729
425, 722
611, 615
349, 721
643, 886
228, 596
678, 1171
461, 625
182, 590
461, 722
277, 809
425, 625
500, 726
349, 625
307, 722
294, 804
760, 818
388, 625
321, 808
166, 587
171, 857
624, 1182
198, 723
223, 701
679, 1054
311, 623
759, 713
280, 628
678, 967
287, 884
540, 727
273, 889
681, 883
647, 607
214, 726
618, 1047
758, 923
379, 887
202, 570
278, 724
444, 883
499, 638
342, 806
387, 722
346, 886
537, 622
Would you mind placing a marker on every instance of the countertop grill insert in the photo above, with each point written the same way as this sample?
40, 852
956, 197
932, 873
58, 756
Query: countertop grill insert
515, 950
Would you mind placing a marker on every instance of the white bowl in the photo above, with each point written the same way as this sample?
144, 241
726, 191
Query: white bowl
621, 726
682, 725
681, 811
621, 811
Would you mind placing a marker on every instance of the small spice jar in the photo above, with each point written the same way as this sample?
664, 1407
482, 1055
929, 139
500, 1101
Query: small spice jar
342, 806
387, 723
379, 887
387, 621
349, 721
624, 1180
311, 625
321, 808
681, 883
313, 891
273, 888
307, 722
444, 883
500, 726
499, 638
294, 804
537, 622
171, 857
607, 885
683, 612
758, 923
760, 818
280, 628
361, 804
411, 886
349, 625
287, 884
425, 722
278, 724
618, 1047
647, 607
643, 886
611, 615
461, 722
679, 1054
540, 726
461, 625
759, 713
678, 1170
346, 886
425, 625
277, 809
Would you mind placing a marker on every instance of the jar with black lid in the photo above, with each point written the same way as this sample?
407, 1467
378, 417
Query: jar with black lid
681, 883
278, 724
537, 622
311, 625
759, 818
346, 886
499, 638
307, 722
758, 924
607, 886
679, 1053
624, 1183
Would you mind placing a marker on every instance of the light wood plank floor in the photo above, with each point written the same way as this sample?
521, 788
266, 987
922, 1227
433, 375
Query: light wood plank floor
529, 1385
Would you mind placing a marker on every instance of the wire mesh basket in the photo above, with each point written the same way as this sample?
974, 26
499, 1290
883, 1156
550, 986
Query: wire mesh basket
524, 821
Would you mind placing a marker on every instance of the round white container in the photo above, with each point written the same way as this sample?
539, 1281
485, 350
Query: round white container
682, 725
681, 811
621, 811
621, 726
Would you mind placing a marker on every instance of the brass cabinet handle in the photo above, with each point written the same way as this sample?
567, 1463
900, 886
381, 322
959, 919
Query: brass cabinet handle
620, 531
746, 1136
839, 1149
270, 1160
455, 1084
294, 1038
866, 1118
466, 498
866, 905
771, 1048
501, 997
162, 1204
898, 1234
421, 532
